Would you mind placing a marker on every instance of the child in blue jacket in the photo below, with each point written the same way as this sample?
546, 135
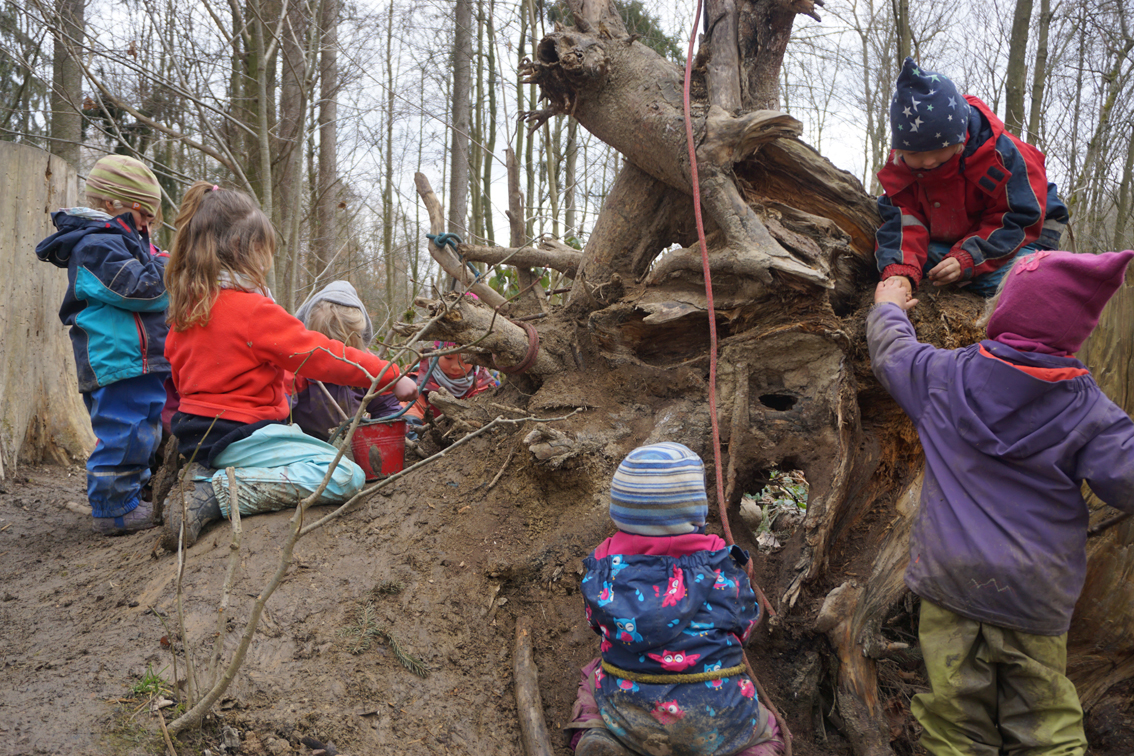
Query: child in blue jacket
115, 305
673, 607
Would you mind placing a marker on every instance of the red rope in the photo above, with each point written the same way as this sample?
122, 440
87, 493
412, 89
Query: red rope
717, 467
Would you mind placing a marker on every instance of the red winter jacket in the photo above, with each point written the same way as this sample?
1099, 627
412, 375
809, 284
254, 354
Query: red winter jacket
987, 202
234, 366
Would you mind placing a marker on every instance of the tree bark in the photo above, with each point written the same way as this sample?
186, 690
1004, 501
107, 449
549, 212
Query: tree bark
42, 417
325, 242
459, 153
1039, 75
67, 80
1017, 71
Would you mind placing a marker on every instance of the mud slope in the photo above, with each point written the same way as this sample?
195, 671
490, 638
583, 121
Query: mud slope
82, 617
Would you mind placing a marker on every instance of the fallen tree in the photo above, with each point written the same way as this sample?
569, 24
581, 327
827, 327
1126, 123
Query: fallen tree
790, 248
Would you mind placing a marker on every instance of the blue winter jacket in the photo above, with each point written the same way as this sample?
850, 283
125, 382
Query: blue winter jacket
670, 615
116, 298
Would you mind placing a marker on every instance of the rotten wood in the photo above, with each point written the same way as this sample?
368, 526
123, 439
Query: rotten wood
529, 705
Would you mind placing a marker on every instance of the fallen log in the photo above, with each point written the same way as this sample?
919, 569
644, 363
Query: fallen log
529, 706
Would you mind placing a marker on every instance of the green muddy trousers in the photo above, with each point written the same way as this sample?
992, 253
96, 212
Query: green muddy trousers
995, 691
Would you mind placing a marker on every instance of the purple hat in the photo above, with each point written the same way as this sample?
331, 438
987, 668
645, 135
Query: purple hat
1051, 301
927, 112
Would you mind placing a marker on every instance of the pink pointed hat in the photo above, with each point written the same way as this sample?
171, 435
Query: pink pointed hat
1051, 301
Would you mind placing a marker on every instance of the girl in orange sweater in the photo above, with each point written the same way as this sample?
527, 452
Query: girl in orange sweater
230, 346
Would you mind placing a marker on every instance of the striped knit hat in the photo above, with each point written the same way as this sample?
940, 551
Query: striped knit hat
659, 490
123, 178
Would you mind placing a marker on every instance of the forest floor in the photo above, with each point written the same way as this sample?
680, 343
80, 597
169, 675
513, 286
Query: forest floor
446, 564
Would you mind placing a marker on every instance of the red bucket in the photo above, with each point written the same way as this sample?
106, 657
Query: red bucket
379, 447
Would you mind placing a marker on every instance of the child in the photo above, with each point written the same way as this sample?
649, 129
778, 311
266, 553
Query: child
337, 312
229, 347
1011, 428
115, 303
962, 196
673, 607
459, 378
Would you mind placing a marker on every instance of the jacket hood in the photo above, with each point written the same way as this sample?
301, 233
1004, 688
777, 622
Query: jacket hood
1003, 411
340, 293
72, 225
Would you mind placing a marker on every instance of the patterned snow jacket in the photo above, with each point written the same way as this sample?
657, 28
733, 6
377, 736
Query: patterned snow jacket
987, 202
668, 606
116, 298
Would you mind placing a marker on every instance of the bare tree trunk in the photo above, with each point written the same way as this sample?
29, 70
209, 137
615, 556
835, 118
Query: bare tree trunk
327, 201
42, 417
67, 81
388, 188
1125, 187
1017, 68
294, 81
1039, 75
902, 28
459, 154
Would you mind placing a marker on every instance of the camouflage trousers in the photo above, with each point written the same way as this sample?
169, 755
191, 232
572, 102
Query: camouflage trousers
995, 691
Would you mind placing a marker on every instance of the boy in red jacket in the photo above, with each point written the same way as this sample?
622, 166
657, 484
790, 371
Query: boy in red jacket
963, 197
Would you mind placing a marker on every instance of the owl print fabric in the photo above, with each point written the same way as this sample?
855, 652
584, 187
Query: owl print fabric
674, 615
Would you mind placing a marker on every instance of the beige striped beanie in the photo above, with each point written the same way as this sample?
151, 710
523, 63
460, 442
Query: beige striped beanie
126, 179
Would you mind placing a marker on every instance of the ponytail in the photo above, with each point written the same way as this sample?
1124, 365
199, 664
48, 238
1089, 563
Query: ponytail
218, 230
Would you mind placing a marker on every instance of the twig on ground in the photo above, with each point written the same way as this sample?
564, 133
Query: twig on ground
165, 734
230, 575
502, 469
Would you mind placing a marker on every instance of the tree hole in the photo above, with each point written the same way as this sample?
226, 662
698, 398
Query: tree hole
774, 511
778, 402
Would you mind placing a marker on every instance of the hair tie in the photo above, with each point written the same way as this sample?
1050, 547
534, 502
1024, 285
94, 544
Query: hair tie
215, 187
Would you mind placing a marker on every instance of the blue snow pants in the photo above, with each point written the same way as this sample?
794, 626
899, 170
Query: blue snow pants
126, 418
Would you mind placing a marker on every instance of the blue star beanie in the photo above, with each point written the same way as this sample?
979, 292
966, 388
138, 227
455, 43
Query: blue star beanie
659, 490
927, 112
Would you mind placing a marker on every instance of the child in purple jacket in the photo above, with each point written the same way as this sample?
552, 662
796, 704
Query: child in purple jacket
1011, 428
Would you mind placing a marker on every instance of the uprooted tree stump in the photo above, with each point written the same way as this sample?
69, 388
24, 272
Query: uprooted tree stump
790, 242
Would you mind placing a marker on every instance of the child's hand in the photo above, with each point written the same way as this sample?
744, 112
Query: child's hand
405, 390
945, 272
897, 290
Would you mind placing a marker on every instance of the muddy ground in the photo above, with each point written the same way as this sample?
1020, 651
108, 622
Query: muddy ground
446, 564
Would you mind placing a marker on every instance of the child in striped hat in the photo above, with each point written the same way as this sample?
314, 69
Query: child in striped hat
673, 607
116, 302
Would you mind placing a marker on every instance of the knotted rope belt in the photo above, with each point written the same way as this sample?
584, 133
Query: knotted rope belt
674, 679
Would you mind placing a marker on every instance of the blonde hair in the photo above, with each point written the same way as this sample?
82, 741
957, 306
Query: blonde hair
339, 322
218, 230
991, 303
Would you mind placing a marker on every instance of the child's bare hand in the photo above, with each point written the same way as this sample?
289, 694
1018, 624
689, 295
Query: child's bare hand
405, 390
945, 272
897, 290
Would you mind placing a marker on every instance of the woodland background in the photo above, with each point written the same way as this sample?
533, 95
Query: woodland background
324, 110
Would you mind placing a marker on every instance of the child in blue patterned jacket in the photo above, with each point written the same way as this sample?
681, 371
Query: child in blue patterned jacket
673, 607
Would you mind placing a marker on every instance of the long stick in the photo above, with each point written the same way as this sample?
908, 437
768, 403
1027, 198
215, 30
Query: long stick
529, 706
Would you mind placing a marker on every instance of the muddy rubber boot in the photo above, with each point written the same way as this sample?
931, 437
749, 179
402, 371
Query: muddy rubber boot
200, 503
599, 742
140, 517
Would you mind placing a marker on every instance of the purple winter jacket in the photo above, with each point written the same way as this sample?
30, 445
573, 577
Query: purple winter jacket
1001, 533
